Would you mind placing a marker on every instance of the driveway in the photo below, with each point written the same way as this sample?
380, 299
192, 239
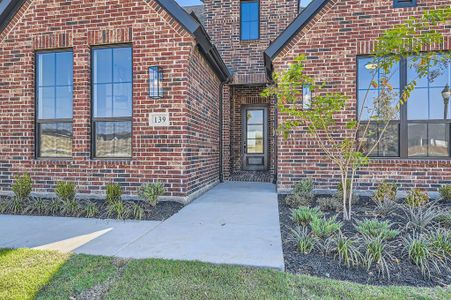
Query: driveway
234, 223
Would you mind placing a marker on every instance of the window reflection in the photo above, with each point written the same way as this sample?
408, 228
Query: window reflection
54, 93
250, 26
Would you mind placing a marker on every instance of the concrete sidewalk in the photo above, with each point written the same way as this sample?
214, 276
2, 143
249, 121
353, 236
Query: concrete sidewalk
234, 223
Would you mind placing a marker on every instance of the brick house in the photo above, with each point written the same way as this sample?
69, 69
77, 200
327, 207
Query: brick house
134, 91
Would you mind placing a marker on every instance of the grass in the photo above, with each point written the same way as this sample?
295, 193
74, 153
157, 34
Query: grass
30, 274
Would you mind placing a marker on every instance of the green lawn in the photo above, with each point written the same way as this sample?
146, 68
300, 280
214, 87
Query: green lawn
28, 274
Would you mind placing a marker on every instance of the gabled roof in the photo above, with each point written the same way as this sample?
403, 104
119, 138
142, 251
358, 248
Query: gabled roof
8, 8
290, 32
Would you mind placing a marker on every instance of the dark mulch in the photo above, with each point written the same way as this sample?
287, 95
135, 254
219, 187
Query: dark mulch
161, 212
316, 264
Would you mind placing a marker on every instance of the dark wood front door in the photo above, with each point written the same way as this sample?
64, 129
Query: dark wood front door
255, 138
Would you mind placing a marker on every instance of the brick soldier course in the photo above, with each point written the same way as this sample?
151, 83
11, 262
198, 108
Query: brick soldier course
209, 75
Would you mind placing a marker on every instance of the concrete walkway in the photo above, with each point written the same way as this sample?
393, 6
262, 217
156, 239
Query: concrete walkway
234, 223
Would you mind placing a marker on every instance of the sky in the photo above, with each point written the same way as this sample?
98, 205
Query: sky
188, 2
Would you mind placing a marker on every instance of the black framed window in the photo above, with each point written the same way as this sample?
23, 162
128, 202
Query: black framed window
422, 130
250, 20
112, 102
367, 94
404, 3
54, 97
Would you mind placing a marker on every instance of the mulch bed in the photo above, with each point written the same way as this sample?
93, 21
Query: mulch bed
316, 264
161, 212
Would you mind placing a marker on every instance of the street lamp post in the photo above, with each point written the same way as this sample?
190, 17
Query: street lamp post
446, 94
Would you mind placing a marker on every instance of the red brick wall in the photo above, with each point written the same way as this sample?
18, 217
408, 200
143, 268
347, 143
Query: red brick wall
245, 58
202, 144
332, 40
162, 154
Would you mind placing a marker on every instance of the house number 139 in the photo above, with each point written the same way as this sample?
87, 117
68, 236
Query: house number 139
159, 119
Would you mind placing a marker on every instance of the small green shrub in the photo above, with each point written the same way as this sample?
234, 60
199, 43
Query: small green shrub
3, 206
347, 250
54, 207
304, 241
421, 252
330, 204
302, 194
151, 192
117, 210
90, 209
22, 186
15, 205
65, 191
38, 206
137, 211
416, 198
324, 228
378, 254
386, 191
441, 242
70, 207
113, 193
420, 218
376, 228
444, 219
445, 192
385, 208
304, 215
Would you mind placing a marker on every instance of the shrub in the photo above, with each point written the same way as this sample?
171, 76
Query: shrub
91, 210
441, 242
113, 193
421, 253
304, 241
386, 191
65, 191
385, 208
3, 206
323, 227
326, 246
302, 194
117, 210
330, 204
15, 205
376, 228
304, 215
444, 219
347, 250
38, 206
54, 206
378, 254
445, 192
137, 211
70, 207
419, 218
150, 192
416, 198
22, 186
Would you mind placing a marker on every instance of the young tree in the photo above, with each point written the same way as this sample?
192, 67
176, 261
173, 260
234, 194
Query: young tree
350, 150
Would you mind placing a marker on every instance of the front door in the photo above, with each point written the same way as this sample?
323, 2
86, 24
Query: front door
255, 138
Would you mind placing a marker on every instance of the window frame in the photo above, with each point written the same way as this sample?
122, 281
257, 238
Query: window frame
403, 140
241, 21
403, 4
94, 119
37, 120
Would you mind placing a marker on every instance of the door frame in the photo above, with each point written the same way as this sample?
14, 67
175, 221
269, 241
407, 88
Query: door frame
266, 137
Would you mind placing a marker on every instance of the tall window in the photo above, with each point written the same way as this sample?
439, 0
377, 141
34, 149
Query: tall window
112, 102
427, 115
423, 127
54, 90
303, 4
250, 20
